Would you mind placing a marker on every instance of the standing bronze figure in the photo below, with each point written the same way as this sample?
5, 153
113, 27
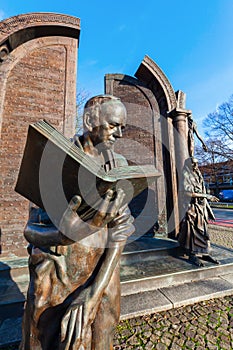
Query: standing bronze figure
194, 237
192, 130
73, 299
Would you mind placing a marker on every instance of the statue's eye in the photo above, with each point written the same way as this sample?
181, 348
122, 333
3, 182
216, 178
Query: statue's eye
112, 125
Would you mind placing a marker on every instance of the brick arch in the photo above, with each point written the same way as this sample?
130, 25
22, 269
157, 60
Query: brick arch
23, 29
15, 24
154, 88
155, 79
141, 144
37, 80
8, 65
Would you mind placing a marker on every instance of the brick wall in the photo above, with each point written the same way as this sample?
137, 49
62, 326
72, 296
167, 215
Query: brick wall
141, 144
39, 79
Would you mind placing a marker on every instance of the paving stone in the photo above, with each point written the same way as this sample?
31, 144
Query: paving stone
148, 302
180, 341
225, 346
147, 334
212, 347
166, 341
211, 338
189, 293
222, 330
199, 339
183, 318
174, 320
228, 277
194, 322
201, 331
134, 340
149, 346
190, 344
161, 346
175, 347
190, 333
176, 331
225, 339
168, 335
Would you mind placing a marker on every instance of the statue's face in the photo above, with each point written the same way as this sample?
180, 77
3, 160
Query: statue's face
112, 120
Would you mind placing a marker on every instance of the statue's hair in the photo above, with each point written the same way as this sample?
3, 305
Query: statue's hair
94, 105
100, 99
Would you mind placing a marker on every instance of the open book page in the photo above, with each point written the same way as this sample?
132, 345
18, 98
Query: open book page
68, 146
88, 162
53, 170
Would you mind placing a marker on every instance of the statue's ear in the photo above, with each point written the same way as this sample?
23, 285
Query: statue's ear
87, 122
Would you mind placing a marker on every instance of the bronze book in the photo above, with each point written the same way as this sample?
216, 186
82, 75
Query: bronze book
54, 169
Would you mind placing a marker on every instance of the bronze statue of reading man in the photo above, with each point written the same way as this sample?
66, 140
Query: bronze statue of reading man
73, 300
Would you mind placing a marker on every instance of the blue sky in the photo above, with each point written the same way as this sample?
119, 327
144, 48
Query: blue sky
191, 41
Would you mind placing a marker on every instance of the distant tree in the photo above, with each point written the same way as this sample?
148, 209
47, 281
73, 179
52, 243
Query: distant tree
217, 152
219, 142
219, 130
81, 99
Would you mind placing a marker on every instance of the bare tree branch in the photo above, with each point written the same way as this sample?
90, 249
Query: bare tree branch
81, 98
219, 129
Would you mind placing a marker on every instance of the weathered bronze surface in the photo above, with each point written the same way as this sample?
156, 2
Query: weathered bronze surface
194, 235
73, 299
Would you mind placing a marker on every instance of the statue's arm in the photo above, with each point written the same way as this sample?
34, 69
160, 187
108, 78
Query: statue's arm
202, 195
83, 309
118, 237
44, 236
40, 231
81, 313
195, 130
188, 188
120, 228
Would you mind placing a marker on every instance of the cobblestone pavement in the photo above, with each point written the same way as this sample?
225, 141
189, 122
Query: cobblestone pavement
206, 325
221, 235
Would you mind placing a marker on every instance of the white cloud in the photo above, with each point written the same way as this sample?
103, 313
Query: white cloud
90, 62
2, 15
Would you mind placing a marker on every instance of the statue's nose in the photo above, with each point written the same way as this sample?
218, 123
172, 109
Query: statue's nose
118, 132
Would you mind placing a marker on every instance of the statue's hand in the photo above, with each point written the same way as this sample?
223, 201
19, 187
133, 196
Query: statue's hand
70, 221
77, 321
73, 227
214, 199
108, 209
